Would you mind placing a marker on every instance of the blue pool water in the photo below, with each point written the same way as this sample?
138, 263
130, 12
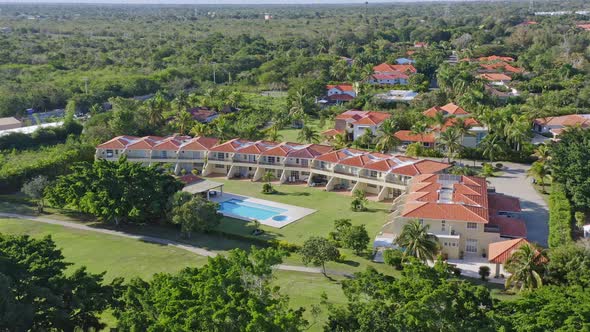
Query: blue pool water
249, 210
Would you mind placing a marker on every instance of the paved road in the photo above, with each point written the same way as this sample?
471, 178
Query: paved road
535, 211
161, 241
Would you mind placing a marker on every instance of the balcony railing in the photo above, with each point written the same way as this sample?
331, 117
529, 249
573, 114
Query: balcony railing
296, 165
396, 181
217, 158
264, 162
345, 172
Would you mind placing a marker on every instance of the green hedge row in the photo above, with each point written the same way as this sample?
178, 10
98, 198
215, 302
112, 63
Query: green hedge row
560, 217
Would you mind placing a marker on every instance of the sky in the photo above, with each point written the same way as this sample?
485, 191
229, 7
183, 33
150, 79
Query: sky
219, 2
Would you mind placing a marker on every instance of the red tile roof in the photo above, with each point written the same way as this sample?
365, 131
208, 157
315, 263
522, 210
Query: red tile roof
229, 146
495, 77
364, 117
501, 202
310, 151
501, 66
332, 132
448, 109
119, 142
199, 143
387, 68
565, 120
499, 252
509, 227
341, 97
144, 143
448, 197
282, 150
341, 87
469, 122
339, 155
495, 58
584, 26
408, 136
170, 143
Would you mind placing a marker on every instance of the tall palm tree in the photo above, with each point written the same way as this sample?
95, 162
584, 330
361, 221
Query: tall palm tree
450, 139
340, 141
308, 134
419, 128
153, 112
438, 120
416, 241
540, 172
518, 130
200, 129
181, 102
272, 134
542, 152
492, 145
184, 121
525, 265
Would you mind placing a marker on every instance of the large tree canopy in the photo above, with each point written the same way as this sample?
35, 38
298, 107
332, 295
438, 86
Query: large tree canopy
230, 293
115, 191
36, 294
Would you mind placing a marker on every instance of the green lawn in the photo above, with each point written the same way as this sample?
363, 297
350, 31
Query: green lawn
290, 134
329, 206
129, 258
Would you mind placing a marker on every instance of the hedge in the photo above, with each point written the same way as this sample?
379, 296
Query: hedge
560, 217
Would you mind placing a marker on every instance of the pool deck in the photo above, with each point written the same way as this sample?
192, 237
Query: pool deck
293, 212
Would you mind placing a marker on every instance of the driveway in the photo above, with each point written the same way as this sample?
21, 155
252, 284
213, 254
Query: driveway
535, 211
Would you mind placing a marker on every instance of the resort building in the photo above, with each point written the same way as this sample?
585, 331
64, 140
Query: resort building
382, 175
461, 211
386, 74
555, 125
393, 96
355, 123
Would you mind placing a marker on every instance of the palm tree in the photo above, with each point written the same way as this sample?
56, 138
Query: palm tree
272, 134
518, 130
542, 152
525, 266
153, 112
386, 140
184, 120
491, 146
200, 129
419, 128
417, 242
540, 172
450, 139
340, 141
181, 102
298, 106
365, 140
438, 120
308, 135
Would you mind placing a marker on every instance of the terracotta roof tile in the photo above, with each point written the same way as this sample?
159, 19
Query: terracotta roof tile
499, 252
119, 142
408, 136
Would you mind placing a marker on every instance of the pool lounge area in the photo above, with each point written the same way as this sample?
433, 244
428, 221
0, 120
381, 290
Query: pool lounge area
268, 213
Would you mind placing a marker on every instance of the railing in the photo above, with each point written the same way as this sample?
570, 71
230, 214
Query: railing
263, 162
219, 158
365, 176
186, 157
341, 171
396, 181
491, 228
296, 165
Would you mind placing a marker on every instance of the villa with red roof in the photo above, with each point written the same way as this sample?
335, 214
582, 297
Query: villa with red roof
355, 123
383, 175
452, 113
555, 125
340, 92
460, 211
387, 74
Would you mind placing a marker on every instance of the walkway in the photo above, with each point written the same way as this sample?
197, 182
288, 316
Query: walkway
157, 240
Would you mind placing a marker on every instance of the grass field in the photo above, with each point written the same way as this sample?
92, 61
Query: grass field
290, 134
129, 258
329, 206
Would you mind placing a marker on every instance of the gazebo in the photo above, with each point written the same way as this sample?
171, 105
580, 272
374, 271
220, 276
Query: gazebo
196, 185
499, 252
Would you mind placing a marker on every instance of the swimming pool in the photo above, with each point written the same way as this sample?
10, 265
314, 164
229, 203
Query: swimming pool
249, 210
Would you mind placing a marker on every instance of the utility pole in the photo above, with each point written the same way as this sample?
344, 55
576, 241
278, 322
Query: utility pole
214, 67
85, 84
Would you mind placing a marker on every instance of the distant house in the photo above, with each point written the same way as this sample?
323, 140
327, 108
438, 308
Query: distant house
404, 61
452, 113
355, 123
420, 45
584, 26
495, 78
10, 123
499, 66
555, 125
527, 23
387, 74
492, 58
203, 114
396, 96
340, 92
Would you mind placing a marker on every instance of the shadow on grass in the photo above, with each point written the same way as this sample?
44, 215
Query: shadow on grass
350, 262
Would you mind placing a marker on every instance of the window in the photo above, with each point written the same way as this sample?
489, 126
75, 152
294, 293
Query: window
421, 221
442, 225
297, 160
471, 246
471, 225
373, 174
109, 153
164, 154
271, 160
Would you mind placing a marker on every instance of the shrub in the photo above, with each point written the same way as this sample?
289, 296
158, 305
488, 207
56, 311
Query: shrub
580, 218
484, 272
487, 170
267, 188
393, 257
560, 217
287, 246
456, 272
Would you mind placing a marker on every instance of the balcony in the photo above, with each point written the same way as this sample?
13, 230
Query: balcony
218, 158
368, 176
396, 181
296, 165
264, 162
189, 157
345, 172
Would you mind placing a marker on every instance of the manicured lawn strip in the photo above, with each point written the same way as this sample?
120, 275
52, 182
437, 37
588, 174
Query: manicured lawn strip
290, 134
329, 205
120, 257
